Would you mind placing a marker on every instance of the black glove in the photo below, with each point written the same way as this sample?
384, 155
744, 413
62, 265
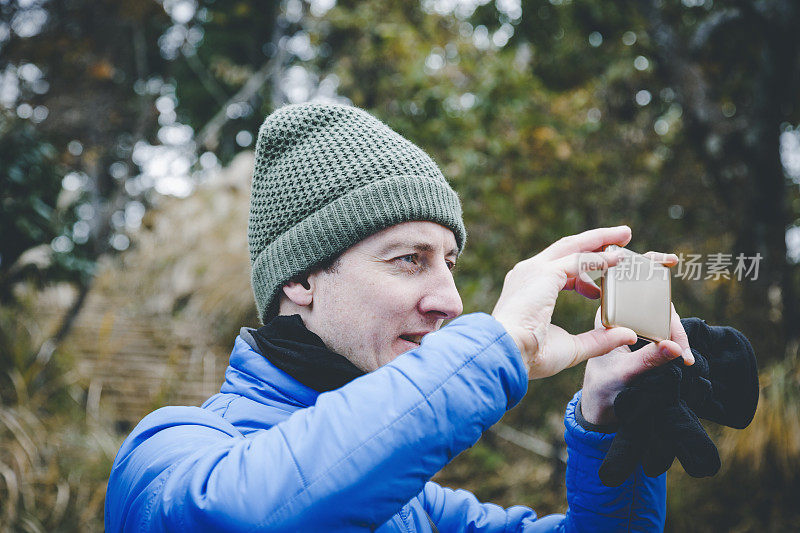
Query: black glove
728, 363
677, 432
634, 407
656, 425
657, 410
722, 388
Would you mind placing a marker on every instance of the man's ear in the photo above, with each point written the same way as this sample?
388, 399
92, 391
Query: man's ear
299, 291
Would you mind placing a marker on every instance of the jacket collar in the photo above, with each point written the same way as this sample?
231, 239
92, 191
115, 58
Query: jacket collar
254, 377
289, 345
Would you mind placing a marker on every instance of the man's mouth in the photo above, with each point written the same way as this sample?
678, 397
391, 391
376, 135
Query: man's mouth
416, 339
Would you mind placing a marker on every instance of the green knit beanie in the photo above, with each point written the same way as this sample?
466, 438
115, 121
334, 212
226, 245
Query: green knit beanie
326, 177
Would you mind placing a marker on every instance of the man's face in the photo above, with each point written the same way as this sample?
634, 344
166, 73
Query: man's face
388, 291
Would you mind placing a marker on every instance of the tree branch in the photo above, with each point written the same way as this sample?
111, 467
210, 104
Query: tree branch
532, 443
209, 135
206, 79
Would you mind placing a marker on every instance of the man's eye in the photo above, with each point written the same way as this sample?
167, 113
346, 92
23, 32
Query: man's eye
451, 265
409, 262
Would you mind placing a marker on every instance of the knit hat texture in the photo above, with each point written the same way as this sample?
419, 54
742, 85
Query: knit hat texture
326, 177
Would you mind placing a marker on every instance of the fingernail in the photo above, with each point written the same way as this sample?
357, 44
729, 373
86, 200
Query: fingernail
688, 357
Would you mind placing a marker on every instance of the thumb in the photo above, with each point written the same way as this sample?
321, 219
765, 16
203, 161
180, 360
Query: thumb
652, 356
600, 341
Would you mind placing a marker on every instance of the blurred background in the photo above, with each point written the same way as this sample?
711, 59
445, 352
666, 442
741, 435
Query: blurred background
126, 137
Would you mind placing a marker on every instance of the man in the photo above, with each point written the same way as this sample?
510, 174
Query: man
336, 413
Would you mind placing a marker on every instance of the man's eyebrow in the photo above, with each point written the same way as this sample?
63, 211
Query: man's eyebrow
416, 246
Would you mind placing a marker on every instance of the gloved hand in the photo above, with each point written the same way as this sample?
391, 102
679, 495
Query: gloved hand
677, 432
657, 410
656, 425
728, 363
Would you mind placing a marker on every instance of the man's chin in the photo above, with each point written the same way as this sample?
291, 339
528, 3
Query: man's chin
406, 346
396, 351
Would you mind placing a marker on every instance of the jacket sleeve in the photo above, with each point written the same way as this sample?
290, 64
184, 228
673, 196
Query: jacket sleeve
351, 460
460, 511
639, 504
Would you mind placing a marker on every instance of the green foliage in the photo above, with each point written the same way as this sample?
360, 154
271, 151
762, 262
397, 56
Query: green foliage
31, 214
30, 183
74, 84
237, 40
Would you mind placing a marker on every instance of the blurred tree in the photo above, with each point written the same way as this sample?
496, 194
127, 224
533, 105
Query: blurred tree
734, 67
688, 123
74, 74
226, 80
715, 106
89, 137
548, 116
102, 101
30, 183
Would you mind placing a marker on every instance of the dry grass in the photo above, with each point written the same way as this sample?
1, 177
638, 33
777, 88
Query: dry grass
758, 487
54, 460
188, 270
771, 443
190, 261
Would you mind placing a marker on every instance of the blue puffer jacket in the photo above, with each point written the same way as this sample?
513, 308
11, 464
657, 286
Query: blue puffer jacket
270, 454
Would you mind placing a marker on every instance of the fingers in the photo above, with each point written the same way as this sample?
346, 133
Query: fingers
678, 334
584, 283
651, 356
586, 288
572, 265
601, 341
654, 354
662, 258
593, 239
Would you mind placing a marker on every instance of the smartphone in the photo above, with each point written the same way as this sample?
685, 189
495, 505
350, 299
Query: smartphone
637, 294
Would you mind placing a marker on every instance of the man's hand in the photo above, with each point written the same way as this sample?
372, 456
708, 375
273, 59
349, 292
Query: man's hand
526, 304
607, 375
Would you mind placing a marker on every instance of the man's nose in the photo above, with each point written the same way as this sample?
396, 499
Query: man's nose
441, 298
